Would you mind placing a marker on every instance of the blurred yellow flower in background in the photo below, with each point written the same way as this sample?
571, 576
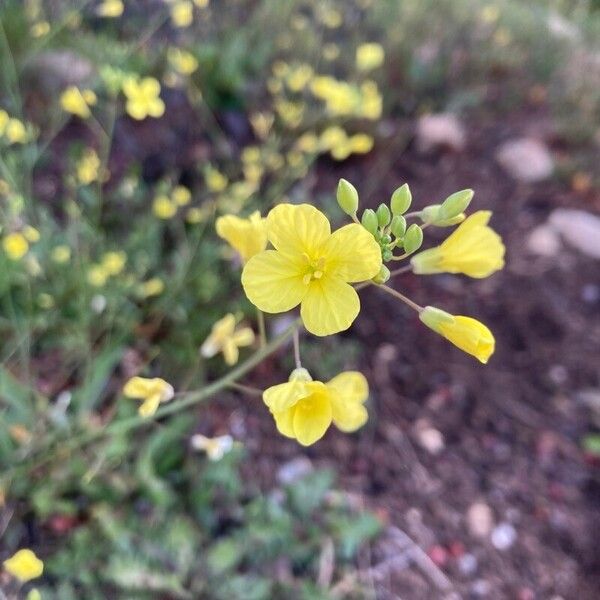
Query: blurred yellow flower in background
312, 267
225, 338
215, 180
110, 9
214, 448
15, 245
113, 263
182, 61
152, 392
143, 98
473, 249
163, 207
88, 167
247, 236
182, 13
369, 56
181, 195
152, 287
61, 254
78, 102
304, 409
24, 565
466, 333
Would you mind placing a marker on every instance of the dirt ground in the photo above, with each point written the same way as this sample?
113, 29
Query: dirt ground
477, 470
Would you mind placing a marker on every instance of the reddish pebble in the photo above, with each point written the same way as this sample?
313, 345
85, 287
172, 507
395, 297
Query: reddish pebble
438, 555
457, 549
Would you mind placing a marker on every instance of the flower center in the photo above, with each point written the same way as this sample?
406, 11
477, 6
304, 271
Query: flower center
314, 268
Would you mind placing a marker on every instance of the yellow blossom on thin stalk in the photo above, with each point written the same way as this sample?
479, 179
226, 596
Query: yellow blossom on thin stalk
61, 254
468, 334
88, 167
113, 263
97, 276
164, 208
78, 102
247, 236
182, 13
15, 245
152, 392
182, 61
369, 56
143, 98
473, 249
304, 409
225, 338
24, 565
181, 195
312, 267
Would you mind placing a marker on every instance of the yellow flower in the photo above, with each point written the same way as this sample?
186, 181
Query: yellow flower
226, 339
31, 234
61, 254
110, 9
215, 448
182, 61
473, 249
369, 56
247, 236
143, 98
181, 195
33, 594
151, 391
24, 565
303, 409
15, 132
77, 103
215, 180
312, 267
88, 167
152, 287
164, 208
182, 13
113, 262
40, 29
97, 276
15, 245
466, 333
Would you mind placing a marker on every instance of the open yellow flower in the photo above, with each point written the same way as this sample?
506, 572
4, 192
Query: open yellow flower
247, 236
24, 565
151, 391
369, 56
225, 338
76, 102
143, 98
473, 249
466, 333
312, 267
15, 245
304, 409
110, 9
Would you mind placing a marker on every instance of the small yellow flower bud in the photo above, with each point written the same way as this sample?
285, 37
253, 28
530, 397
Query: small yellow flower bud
347, 197
401, 200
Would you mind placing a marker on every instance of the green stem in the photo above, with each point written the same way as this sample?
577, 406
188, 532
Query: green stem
400, 296
262, 330
131, 423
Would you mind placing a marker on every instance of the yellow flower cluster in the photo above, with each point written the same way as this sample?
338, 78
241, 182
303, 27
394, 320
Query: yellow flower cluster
78, 102
110, 9
111, 264
165, 207
88, 167
16, 244
24, 565
152, 392
345, 99
143, 98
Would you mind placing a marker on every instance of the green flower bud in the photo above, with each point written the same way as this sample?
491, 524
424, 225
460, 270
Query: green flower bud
382, 276
453, 221
383, 215
413, 239
369, 220
398, 226
455, 204
401, 200
387, 255
347, 197
430, 214
435, 317
386, 239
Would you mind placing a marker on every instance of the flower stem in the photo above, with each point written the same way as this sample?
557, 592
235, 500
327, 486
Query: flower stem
42, 454
297, 349
401, 270
247, 389
400, 296
262, 330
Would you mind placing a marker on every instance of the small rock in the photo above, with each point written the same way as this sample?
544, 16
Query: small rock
526, 160
504, 536
467, 564
481, 587
440, 131
544, 241
480, 519
438, 555
56, 69
558, 374
579, 229
590, 293
294, 470
429, 438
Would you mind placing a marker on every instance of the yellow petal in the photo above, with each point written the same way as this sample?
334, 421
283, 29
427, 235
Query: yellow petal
348, 392
230, 352
149, 406
243, 336
297, 229
247, 236
136, 109
149, 87
284, 421
281, 397
138, 387
312, 417
352, 254
273, 282
24, 565
156, 108
330, 306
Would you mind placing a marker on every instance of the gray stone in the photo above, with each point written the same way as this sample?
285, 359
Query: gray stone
504, 536
544, 241
442, 130
579, 229
526, 159
480, 519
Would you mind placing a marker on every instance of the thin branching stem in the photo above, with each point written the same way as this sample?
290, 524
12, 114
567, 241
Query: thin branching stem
297, 349
400, 296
